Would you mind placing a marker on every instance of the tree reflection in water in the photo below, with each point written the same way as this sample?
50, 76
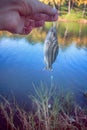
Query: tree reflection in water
67, 33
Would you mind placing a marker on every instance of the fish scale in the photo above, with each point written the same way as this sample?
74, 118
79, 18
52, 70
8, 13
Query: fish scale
51, 47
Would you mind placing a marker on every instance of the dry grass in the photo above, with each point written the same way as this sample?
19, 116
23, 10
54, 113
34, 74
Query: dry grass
52, 113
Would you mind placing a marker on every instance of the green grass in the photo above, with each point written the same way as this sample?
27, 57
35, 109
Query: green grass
48, 25
75, 14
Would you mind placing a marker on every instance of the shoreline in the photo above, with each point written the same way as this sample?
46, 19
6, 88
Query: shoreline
84, 21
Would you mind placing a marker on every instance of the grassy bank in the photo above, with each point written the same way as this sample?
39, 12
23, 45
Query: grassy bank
52, 112
74, 16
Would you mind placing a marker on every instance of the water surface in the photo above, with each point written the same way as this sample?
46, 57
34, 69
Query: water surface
21, 63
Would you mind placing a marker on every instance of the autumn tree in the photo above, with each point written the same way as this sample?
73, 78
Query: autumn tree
70, 4
56, 3
84, 3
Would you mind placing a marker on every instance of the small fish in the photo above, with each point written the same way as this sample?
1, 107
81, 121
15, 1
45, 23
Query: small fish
51, 48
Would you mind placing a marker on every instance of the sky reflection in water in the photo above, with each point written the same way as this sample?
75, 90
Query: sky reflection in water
21, 63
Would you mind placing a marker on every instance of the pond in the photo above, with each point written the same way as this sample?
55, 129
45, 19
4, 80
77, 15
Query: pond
22, 62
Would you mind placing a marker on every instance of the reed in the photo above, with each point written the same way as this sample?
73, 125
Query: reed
62, 113
41, 101
52, 112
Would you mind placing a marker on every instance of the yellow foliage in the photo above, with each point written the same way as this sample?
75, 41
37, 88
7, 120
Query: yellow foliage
81, 2
52, 2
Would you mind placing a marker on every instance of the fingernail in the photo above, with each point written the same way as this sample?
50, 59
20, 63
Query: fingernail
54, 10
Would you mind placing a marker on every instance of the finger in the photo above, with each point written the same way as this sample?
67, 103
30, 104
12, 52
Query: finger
27, 30
41, 16
39, 23
52, 18
38, 16
29, 22
34, 23
43, 8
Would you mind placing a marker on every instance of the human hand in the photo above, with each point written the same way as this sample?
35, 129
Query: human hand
22, 16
